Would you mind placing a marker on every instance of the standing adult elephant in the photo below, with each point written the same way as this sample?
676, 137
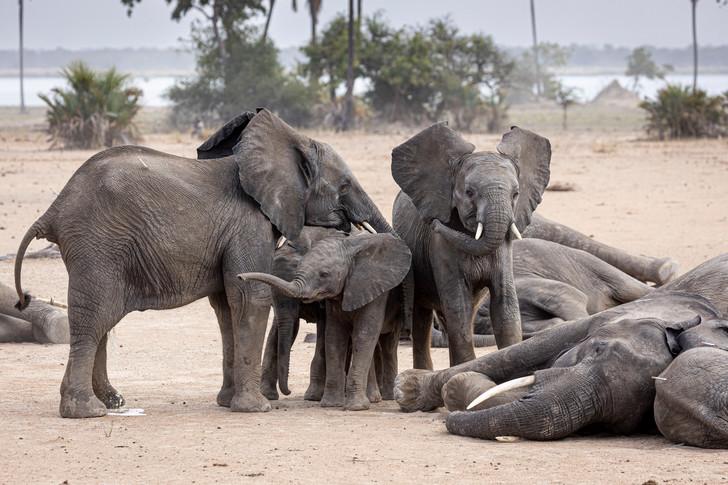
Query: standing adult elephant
139, 229
457, 212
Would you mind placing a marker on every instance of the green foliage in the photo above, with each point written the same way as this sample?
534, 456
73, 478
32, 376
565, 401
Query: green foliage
249, 77
640, 63
97, 110
526, 82
680, 112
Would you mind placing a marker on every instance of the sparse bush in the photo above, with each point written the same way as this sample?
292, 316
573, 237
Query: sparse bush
97, 110
680, 112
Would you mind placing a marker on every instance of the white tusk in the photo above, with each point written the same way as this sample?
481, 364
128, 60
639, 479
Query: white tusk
515, 232
479, 231
368, 227
281, 242
501, 388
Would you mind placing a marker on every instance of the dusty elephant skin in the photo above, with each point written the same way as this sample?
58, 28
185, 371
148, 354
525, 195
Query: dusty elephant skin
39, 322
457, 212
690, 405
575, 364
140, 229
356, 276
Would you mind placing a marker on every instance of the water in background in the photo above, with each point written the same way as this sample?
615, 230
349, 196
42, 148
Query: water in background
587, 86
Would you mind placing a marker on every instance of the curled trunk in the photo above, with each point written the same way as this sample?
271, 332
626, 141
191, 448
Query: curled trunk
495, 232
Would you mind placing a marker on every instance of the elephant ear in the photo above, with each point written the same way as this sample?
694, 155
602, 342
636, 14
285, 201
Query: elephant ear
221, 143
672, 332
380, 262
424, 168
531, 153
277, 166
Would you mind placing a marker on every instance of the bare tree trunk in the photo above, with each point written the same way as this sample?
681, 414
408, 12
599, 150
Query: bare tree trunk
695, 48
564, 118
358, 10
22, 92
349, 101
267, 19
535, 50
314, 20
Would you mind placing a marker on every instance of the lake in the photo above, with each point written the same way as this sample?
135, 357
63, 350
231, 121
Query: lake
154, 88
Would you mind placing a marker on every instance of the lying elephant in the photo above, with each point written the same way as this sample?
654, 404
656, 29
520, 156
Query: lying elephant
354, 275
692, 393
40, 322
590, 374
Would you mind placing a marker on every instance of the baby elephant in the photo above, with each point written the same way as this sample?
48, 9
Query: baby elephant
354, 275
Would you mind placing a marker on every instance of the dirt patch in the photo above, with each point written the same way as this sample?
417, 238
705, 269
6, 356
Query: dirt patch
654, 198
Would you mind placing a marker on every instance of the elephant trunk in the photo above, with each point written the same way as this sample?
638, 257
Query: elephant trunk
496, 224
365, 210
293, 289
552, 410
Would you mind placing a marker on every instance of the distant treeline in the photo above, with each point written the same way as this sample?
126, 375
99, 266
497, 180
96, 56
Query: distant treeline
149, 61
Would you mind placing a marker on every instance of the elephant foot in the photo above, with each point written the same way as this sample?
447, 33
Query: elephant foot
250, 402
225, 396
387, 392
460, 391
111, 398
81, 405
356, 402
314, 392
373, 395
332, 400
663, 271
268, 389
412, 391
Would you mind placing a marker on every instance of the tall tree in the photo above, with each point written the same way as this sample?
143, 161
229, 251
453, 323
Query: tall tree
314, 7
349, 100
267, 19
22, 93
535, 50
640, 63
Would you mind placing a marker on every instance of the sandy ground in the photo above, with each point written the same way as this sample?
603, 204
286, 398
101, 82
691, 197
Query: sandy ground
655, 198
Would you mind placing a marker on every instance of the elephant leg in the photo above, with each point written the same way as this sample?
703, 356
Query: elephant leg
373, 392
366, 330
89, 323
505, 314
643, 268
219, 303
421, 328
457, 310
103, 389
317, 374
337, 343
249, 324
387, 371
269, 376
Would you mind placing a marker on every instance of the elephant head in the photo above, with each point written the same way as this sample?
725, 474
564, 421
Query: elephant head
489, 193
604, 382
296, 180
356, 269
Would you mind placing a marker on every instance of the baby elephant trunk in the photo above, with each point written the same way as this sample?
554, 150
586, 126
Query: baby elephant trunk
292, 289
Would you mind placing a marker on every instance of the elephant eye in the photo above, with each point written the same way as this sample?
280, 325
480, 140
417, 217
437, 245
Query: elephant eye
515, 195
323, 274
344, 188
469, 193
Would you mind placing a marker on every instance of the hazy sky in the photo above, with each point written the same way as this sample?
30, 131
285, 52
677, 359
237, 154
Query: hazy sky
75, 24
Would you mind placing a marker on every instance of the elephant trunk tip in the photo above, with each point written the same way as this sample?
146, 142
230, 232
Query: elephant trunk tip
23, 302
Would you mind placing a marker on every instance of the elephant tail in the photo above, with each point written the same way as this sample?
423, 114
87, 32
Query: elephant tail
35, 232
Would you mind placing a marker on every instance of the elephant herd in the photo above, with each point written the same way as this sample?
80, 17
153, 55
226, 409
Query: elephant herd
590, 338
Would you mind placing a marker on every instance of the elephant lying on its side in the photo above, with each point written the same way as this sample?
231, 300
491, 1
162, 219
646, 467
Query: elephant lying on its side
357, 276
691, 405
590, 374
40, 322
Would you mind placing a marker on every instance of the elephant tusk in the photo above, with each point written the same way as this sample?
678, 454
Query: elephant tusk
501, 388
358, 226
479, 231
515, 232
368, 227
281, 242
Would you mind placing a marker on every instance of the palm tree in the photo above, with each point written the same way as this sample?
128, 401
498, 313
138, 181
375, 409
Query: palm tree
267, 19
535, 49
22, 94
695, 48
314, 7
349, 100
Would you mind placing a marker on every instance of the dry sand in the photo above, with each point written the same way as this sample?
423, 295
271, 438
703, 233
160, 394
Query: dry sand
654, 198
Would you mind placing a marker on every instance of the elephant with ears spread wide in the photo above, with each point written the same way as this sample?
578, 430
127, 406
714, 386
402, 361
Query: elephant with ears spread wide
139, 229
353, 274
458, 212
592, 374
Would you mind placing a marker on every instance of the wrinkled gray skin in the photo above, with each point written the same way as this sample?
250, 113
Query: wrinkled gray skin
39, 322
590, 374
557, 283
139, 229
353, 275
287, 312
447, 189
642, 268
691, 404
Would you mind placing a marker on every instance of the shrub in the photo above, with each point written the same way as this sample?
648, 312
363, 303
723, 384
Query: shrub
680, 112
97, 110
